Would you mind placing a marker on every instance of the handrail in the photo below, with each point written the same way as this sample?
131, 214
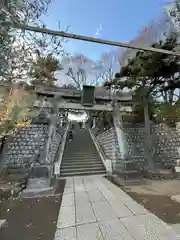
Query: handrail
108, 162
57, 164
99, 145
58, 149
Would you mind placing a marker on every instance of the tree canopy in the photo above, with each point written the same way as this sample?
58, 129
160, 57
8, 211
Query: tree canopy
154, 75
17, 51
155, 71
16, 108
43, 69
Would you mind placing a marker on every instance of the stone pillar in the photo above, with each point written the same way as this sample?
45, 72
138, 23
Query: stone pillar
118, 123
61, 122
94, 122
61, 119
51, 133
83, 124
53, 117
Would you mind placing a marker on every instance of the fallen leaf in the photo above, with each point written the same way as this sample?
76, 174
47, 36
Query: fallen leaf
29, 225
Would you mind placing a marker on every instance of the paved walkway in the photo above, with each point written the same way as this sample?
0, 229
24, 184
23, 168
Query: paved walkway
93, 208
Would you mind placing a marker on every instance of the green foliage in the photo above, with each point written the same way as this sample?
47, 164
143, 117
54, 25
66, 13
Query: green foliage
5, 44
175, 12
105, 117
17, 47
150, 70
16, 109
149, 74
152, 75
167, 113
43, 69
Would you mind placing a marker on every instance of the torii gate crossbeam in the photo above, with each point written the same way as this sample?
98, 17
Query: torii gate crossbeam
90, 39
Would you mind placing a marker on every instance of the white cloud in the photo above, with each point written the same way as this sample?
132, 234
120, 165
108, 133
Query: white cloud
63, 78
99, 30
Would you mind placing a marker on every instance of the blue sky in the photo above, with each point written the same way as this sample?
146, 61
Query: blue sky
118, 20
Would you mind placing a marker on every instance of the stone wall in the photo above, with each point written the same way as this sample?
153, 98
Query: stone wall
166, 142
25, 146
135, 140
28, 146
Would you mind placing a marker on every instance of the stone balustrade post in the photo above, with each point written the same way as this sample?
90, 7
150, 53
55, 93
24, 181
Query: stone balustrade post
118, 123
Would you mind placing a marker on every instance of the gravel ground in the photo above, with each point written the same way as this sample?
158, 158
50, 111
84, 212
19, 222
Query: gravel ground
31, 218
160, 205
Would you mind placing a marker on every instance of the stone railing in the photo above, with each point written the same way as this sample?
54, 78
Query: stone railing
60, 150
105, 159
108, 142
57, 143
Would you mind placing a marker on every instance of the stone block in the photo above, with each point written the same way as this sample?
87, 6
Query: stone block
66, 217
40, 171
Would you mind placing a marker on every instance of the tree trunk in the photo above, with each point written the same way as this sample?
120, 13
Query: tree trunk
3, 141
171, 94
148, 137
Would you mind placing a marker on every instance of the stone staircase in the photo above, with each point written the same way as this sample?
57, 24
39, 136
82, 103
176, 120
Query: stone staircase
80, 156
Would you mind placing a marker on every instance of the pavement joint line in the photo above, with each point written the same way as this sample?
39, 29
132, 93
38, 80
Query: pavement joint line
91, 200
80, 224
75, 206
126, 205
94, 211
119, 218
134, 214
109, 202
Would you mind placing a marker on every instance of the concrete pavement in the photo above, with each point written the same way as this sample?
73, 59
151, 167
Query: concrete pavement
93, 208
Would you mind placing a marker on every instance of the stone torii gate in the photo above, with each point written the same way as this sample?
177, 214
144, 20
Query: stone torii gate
90, 39
89, 99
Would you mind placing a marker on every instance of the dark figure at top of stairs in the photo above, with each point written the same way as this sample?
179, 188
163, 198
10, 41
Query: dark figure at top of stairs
70, 135
80, 156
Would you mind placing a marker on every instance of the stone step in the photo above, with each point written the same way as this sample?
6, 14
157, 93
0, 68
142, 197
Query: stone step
83, 149
79, 163
81, 160
82, 165
82, 173
85, 169
38, 183
70, 152
37, 193
82, 152
87, 157
80, 157
79, 142
91, 154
